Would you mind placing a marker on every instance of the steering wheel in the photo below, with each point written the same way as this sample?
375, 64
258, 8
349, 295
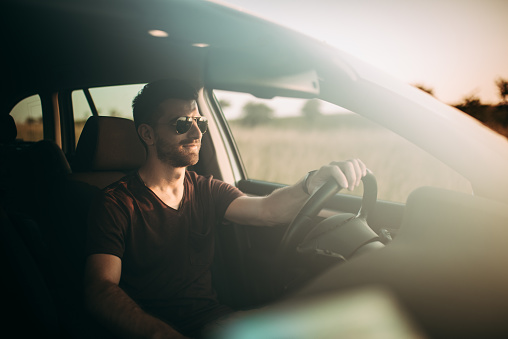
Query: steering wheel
302, 228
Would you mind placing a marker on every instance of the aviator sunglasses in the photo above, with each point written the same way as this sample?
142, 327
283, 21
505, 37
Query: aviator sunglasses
184, 124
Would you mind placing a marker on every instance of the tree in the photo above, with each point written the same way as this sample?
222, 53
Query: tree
115, 112
471, 100
502, 85
311, 109
224, 103
424, 88
30, 121
256, 113
472, 105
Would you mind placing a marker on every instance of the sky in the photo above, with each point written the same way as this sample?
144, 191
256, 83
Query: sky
458, 48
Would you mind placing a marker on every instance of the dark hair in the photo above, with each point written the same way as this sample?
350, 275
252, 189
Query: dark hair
144, 105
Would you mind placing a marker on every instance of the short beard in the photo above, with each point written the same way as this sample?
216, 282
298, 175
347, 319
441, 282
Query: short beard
173, 155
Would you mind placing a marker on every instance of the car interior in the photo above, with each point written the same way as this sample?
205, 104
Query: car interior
440, 252
44, 233
51, 224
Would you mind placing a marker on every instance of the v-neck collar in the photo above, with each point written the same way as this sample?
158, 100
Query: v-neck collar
184, 195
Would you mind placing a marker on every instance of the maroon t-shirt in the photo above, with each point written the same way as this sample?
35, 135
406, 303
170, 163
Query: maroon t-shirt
166, 253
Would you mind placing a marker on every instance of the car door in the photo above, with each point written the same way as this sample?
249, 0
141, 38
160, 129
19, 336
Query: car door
275, 142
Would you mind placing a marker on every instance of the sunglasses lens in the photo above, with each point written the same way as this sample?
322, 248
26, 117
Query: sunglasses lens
183, 125
203, 124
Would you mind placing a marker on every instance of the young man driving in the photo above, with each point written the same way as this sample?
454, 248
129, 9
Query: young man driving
150, 237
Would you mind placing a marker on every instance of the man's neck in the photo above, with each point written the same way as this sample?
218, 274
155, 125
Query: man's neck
165, 181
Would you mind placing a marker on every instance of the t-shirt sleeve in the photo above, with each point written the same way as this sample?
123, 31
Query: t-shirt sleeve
223, 194
107, 225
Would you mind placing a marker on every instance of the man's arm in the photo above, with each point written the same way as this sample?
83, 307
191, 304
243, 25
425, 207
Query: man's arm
107, 301
282, 205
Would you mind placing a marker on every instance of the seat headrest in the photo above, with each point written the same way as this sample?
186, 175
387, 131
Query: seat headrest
8, 131
109, 144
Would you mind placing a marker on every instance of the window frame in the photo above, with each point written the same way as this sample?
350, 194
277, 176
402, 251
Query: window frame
235, 161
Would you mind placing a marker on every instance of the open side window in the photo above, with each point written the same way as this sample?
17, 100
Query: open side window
281, 139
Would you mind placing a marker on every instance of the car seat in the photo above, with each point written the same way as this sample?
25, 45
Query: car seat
30, 173
108, 149
29, 304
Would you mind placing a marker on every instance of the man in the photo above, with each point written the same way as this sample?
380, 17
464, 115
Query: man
150, 236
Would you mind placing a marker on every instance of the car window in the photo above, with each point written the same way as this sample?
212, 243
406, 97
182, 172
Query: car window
281, 139
109, 101
27, 115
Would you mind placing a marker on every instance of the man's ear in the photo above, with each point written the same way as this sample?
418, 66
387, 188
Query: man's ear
147, 134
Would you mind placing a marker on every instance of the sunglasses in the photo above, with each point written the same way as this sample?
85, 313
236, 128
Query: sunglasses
184, 124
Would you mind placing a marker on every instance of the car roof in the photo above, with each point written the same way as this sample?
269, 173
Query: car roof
56, 44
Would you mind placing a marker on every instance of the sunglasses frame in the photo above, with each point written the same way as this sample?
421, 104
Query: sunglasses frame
188, 124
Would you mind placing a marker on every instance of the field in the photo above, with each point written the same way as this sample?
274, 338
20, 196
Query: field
29, 131
285, 149
33, 131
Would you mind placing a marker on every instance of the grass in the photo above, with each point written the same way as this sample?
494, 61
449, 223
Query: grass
284, 150
34, 132
29, 131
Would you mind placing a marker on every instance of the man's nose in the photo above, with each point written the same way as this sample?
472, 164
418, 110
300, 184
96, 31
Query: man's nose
194, 131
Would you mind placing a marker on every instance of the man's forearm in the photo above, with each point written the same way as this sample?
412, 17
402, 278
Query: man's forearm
283, 204
117, 311
279, 207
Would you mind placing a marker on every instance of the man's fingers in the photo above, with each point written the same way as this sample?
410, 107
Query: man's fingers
348, 174
340, 176
362, 167
332, 171
361, 170
358, 172
344, 173
353, 170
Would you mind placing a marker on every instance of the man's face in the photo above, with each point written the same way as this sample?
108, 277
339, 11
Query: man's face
177, 150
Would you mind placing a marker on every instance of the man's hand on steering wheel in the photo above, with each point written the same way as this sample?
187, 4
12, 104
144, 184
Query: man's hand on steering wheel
348, 174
